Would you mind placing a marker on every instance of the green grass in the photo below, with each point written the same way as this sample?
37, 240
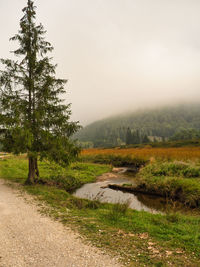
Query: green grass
141, 238
173, 169
174, 180
126, 231
71, 178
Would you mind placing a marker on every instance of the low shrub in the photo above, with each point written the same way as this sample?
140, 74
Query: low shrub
115, 160
172, 217
177, 169
175, 181
68, 183
118, 210
80, 203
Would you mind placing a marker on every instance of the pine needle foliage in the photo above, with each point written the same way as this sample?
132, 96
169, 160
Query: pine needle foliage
33, 116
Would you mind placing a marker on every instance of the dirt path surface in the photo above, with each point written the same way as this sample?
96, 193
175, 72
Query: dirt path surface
28, 239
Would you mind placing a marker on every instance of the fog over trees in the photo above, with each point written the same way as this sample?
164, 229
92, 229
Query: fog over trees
180, 122
118, 55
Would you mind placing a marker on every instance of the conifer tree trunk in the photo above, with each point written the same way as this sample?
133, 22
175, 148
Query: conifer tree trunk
37, 169
32, 172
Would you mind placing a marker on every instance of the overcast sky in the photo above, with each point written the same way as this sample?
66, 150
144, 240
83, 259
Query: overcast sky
118, 55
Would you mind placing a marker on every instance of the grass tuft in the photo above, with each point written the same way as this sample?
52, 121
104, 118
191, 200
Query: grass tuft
117, 211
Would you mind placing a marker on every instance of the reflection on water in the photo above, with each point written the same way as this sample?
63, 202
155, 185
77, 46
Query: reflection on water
137, 201
96, 191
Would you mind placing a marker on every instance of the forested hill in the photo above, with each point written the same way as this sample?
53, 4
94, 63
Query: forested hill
136, 127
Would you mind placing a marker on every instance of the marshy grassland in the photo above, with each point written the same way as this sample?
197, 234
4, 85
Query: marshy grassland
173, 173
173, 180
139, 238
148, 152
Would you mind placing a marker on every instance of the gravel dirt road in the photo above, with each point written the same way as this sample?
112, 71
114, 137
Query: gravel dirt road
29, 239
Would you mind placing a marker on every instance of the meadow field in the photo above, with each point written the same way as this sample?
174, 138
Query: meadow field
138, 238
173, 173
179, 153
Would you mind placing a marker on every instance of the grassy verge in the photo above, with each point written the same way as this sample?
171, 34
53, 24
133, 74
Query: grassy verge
15, 169
141, 238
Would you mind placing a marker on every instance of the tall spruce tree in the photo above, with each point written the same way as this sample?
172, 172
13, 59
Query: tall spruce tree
34, 117
128, 136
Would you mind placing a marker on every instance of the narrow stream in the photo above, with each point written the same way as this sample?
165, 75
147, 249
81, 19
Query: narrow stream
99, 191
138, 201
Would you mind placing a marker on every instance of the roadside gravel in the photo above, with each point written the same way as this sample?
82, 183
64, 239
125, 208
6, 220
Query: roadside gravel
29, 239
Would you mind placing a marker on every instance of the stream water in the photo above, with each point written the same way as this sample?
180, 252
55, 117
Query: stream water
99, 191
138, 201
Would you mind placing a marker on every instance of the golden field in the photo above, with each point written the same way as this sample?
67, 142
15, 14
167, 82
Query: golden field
180, 153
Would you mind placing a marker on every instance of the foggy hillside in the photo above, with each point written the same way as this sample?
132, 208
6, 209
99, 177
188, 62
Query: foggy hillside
162, 123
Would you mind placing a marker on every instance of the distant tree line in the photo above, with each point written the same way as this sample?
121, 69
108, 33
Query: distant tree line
136, 137
157, 125
186, 134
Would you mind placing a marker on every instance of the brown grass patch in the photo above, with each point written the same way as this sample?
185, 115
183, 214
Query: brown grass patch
181, 153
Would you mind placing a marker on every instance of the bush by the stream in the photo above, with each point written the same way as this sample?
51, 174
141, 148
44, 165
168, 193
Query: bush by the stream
173, 180
118, 210
68, 183
73, 177
114, 160
80, 203
177, 169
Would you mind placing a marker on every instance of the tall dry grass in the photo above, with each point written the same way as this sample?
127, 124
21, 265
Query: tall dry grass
181, 153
